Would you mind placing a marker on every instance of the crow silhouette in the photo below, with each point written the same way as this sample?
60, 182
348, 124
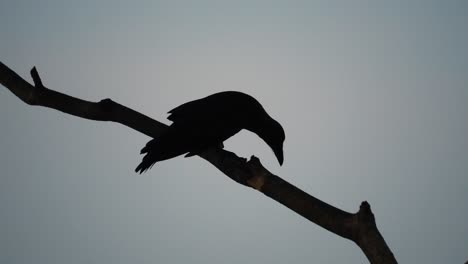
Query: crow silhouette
207, 122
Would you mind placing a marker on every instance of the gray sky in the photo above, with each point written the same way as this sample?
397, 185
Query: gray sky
372, 95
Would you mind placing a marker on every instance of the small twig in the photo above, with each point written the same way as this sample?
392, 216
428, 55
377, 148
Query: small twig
36, 78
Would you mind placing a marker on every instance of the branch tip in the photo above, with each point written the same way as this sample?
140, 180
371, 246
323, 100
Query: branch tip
36, 78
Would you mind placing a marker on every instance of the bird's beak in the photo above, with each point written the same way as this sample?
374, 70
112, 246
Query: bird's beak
279, 154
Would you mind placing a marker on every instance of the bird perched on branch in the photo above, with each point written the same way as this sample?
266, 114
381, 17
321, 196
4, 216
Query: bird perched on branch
207, 122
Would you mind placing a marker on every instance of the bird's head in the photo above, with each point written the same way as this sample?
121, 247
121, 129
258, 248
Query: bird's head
273, 134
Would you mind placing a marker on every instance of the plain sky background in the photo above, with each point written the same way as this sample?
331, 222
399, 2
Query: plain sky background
373, 97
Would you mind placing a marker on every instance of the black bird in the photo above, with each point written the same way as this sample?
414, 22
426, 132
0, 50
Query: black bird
207, 122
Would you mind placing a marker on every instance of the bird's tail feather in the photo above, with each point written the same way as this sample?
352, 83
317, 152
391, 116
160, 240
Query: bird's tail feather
146, 148
148, 160
145, 164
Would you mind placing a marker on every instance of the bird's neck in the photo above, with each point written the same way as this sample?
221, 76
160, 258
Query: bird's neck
258, 125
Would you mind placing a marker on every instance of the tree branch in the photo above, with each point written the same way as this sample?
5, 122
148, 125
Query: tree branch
359, 227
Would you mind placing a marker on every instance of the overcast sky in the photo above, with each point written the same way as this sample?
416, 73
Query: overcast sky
372, 96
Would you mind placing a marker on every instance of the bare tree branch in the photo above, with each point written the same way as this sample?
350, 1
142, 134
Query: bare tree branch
359, 227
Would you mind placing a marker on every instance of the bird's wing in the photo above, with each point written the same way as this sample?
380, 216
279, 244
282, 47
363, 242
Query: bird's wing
223, 105
186, 111
204, 110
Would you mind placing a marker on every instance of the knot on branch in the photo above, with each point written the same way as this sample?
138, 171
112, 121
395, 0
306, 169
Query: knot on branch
258, 173
365, 221
250, 173
365, 213
106, 104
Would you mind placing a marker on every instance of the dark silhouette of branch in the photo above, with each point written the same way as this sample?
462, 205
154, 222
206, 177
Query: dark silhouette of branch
358, 227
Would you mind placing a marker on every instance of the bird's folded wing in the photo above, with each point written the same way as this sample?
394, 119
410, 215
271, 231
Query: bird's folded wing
204, 109
187, 111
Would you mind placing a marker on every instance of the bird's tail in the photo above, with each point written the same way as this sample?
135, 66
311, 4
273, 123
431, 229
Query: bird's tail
148, 161
145, 164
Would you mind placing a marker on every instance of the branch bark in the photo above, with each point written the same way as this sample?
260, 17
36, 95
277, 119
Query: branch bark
359, 227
